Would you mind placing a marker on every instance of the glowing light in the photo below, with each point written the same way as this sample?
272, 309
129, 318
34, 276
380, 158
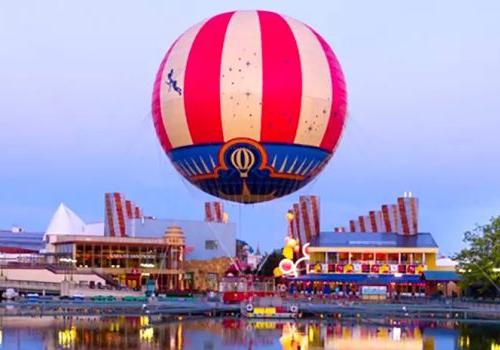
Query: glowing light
396, 334
146, 334
144, 321
66, 337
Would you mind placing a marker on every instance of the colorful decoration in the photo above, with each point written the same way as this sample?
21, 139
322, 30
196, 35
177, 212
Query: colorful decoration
290, 268
288, 252
357, 267
348, 268
317, 268
384, 268
249, 105
420, 269
277, 272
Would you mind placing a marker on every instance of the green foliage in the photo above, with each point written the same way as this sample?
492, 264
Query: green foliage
480, 260
270, 262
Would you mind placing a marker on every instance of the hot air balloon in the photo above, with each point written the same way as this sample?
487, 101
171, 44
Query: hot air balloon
249, 105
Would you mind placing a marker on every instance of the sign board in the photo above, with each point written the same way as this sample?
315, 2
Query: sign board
373, 290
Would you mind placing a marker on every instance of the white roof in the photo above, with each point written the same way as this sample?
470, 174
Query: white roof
65, 222
446, 262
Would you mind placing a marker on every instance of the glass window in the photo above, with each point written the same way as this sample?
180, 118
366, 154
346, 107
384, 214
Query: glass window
210, 245
417, 258
392, 258
332, 258
356, 257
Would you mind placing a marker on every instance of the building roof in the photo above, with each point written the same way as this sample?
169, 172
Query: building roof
65, 221
63, 239
441, 276
367, 279
32, 241
373, 240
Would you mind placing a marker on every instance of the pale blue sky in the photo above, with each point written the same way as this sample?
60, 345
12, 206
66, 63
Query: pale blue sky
423, 79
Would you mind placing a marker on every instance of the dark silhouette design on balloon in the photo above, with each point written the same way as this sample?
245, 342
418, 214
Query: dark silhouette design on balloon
172, 83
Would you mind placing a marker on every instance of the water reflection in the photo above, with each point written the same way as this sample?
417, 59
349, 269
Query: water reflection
156, 333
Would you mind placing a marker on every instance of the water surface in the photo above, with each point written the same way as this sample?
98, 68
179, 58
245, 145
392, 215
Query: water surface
206, 334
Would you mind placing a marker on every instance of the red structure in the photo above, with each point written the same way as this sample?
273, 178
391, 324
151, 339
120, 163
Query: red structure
214, 212
118, 211
400, 218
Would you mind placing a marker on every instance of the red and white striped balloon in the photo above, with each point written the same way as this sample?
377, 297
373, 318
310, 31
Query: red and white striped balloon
249, 74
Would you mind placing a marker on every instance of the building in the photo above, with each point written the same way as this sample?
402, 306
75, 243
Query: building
20, 246
128, 248
128, 261
214, 237
204, 240
374, 262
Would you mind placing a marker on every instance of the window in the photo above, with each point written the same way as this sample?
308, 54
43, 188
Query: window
210, 245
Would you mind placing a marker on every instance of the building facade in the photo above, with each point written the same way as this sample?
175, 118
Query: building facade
383, 256
130, 262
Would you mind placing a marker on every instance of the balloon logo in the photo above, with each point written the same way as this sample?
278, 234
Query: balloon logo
243, 160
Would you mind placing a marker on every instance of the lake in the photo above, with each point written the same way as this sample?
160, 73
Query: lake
229, 333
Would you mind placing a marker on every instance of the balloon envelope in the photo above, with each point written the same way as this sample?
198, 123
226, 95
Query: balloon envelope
249, 105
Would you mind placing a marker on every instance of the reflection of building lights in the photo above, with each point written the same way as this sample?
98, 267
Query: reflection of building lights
291, 339
114, 327
146, 334
147, 265
144, 321
310, 334
172, 341
1, 337
396, 334
180, 340
66, 337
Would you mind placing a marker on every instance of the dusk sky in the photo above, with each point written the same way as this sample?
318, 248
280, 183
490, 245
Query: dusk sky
423, 80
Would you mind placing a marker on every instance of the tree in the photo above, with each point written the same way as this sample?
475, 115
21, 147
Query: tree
479, 262
269, 262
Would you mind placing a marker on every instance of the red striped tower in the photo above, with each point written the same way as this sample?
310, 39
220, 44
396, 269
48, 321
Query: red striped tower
214, 212
408, 215
118, 214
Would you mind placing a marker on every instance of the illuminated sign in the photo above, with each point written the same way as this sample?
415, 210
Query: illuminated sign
131, 256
